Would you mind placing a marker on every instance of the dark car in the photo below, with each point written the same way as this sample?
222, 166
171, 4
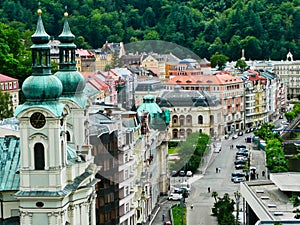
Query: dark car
181, 173
252, 129
174, 173
239, 161
238, 174
240, 133
240, 146
281, 117
242, 153
248, 131
240, 166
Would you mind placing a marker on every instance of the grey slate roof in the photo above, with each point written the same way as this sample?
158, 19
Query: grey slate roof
9, 164
151, 85
186, 98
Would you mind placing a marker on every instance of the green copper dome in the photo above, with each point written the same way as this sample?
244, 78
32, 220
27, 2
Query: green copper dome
149, 105
72, 81
42, 88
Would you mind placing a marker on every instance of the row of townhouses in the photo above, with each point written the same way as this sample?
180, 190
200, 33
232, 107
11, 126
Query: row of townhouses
94, 139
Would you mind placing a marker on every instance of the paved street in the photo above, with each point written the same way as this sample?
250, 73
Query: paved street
219, 182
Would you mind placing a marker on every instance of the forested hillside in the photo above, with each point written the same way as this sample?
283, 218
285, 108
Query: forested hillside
264, 28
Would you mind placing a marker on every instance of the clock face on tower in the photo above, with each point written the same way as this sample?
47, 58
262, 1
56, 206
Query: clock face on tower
37, 120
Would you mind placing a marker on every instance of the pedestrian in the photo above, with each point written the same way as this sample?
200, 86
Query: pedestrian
163, 216
208, 189
192, 206
217, 170
256, 175
263, 173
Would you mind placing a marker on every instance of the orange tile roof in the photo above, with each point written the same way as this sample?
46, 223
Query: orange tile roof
204, 79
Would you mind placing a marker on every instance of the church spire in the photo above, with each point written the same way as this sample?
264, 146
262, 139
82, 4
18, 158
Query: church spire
73, 82
41, 86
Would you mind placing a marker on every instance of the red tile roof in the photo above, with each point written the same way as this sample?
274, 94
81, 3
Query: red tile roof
4, 78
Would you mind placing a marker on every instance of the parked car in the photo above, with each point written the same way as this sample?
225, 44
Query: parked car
240, 166
175, 196
181, 173
167, 222
240, 161
240, 146
281, 117
234, 136
189, 174
174, 173
240, 157
238, 179
248, 131
178, 190
240, 133
242, 153
226, 136
252, 129
237, 174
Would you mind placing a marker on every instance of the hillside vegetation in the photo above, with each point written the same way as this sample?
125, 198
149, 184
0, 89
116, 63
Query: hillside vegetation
264, 28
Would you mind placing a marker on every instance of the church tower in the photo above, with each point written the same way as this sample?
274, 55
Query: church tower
72, 96
56, 185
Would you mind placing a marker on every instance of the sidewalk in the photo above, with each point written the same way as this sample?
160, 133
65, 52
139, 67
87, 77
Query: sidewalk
164, 205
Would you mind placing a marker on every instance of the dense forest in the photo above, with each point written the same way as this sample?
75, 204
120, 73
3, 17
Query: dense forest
266, 29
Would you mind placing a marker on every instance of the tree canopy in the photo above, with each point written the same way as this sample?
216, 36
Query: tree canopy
265, 29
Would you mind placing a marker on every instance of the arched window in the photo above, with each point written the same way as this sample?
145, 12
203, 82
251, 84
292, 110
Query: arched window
39, 156
181, 120
188, 120
200, 119
175, 134
68, 136
175, 119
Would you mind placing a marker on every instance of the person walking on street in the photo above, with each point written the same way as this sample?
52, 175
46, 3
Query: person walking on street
208, 189
163, 216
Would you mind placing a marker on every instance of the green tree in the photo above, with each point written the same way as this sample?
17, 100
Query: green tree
218, 60
241, 65
6, 105
223, 209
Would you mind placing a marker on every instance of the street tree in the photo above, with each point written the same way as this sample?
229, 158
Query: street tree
218, 60
241, 65
6, 106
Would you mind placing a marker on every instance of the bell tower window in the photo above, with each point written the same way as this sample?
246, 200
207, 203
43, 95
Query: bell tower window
39, 156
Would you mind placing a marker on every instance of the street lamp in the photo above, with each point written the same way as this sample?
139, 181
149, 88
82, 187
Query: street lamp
237, 196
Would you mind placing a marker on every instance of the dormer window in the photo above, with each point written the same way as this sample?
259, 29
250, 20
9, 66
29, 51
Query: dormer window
189, 81
178, 81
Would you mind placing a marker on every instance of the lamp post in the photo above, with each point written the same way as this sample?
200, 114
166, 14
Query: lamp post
237, 196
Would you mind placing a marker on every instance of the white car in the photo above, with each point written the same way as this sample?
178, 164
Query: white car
189, 173
175, 196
